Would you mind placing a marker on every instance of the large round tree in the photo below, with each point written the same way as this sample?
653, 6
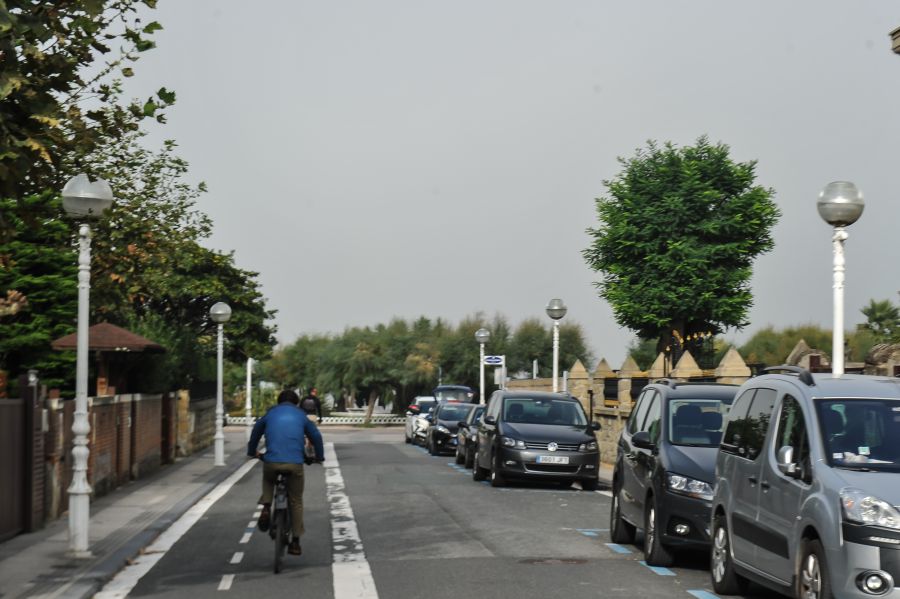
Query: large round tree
679, 230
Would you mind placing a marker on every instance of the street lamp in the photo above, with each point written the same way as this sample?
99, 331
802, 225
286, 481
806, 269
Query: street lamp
249, 402
556, 309
482, 336
85, 200
219, 313
840, 205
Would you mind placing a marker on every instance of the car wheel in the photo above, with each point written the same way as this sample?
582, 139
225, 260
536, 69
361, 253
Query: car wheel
655, 553
497, 479
589, 484
460, 458
407, 437
620, 531
812, 575
432, 447
725, 580
478, 473
470, 457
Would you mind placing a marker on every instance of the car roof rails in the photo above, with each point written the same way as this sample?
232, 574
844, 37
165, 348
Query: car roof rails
666, 381
802, 373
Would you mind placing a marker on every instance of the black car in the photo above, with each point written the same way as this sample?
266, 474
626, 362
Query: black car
536, 435
665, 467
454, 393
441, 435
467, 437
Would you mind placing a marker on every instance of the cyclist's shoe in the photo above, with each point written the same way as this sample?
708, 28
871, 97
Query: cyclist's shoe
263, 522
294, 547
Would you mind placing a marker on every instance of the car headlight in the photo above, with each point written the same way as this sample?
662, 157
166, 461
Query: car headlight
442, 429
509, 442
862, 508
589, 446
689, 486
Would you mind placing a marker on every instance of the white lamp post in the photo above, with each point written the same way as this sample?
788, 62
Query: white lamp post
82, 199
840, 205
482, 336
248, 403
556, 309
219, 313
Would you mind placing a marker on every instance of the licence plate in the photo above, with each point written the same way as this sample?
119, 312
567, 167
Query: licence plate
552, 459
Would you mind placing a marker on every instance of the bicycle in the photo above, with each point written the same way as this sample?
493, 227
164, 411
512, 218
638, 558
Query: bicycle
280, 527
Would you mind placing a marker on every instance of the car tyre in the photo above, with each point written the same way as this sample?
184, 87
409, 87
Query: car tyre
655, 552
725, 580
589, 484
460, 458
478, 473
497, 479
812, 573
470, 457
620, 531
432, 447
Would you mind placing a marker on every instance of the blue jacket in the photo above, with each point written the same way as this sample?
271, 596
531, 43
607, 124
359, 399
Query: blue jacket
285, 427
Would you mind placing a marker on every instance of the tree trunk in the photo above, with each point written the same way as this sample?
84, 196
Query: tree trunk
373, 396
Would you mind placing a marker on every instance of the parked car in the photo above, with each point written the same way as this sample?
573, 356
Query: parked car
665, 467
444, 419
536, 435
454, 393
808, 505
415, 415
467, 437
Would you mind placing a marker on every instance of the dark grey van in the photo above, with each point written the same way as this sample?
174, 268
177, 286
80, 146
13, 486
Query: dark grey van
808, 487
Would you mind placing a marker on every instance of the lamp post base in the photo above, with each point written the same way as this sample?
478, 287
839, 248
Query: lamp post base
79, 516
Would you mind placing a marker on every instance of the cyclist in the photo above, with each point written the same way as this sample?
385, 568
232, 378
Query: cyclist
312, 405
285, 427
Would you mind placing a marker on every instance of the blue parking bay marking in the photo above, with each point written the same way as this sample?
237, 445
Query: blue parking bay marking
591, 532
701, 594
618, 548
658, 570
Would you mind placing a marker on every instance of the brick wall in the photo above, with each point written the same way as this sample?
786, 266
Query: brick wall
103, 445
146, 423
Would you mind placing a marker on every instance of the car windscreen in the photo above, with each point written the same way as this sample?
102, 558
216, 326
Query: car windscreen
424, 406
454, 412
697, 422
453, 395
862, 434
529, 410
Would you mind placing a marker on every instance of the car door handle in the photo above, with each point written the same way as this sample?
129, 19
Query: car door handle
765, 485
752, 480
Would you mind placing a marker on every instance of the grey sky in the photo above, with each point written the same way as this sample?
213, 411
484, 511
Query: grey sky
381, 159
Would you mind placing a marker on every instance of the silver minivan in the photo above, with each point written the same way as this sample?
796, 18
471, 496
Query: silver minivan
808, 487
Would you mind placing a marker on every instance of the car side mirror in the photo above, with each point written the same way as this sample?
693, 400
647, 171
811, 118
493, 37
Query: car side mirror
490, 420
595, 426
786, 464
642, 440
462, 424
429, 418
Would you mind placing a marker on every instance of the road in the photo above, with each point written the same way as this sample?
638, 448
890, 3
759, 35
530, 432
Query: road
427, 530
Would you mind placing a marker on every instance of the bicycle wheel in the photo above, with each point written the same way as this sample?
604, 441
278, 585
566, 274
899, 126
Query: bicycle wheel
279, 523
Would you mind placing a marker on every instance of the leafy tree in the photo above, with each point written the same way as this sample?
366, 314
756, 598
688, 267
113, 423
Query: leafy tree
49, 108
678, 234
771, 347
643, 351
883, 320
40, 262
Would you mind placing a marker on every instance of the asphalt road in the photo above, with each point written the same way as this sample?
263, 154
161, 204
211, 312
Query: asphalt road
427, 530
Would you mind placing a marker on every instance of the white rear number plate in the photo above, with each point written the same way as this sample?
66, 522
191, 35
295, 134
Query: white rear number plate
552, 459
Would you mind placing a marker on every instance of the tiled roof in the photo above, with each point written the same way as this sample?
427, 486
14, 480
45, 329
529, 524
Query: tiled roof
109, 337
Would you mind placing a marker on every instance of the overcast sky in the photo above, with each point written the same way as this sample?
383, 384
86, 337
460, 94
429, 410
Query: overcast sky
395, 159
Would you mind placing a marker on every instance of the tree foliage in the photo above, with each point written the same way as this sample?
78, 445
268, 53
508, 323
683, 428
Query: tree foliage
883, 320
771, 347
404, 359
678, 233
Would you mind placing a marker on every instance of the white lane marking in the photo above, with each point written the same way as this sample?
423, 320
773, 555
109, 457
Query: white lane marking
604, 492
256, 515
246, 538
252, 524
350, 571
126, 579
227, 579
237, 557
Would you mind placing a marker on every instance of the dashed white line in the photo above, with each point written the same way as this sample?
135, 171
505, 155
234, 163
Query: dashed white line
246, 538
252, 524
126, 580
225, 584
237, 557
256, 515
350, 570
604, 492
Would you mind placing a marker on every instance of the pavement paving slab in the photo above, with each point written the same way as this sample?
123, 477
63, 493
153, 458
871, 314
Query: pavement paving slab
35, 565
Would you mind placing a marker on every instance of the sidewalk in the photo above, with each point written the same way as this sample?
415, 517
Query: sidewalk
122, 523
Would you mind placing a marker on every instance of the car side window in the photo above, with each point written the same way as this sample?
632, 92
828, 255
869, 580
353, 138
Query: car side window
792, 433
757, 423
639, 411
651, 422
731, 440
494, 408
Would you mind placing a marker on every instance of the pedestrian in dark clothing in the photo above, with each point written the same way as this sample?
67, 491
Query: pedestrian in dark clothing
312, 405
